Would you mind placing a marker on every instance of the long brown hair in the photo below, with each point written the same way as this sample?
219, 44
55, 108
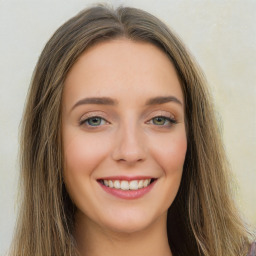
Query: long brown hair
202, 220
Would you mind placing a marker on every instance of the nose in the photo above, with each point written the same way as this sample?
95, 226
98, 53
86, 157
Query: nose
130, 146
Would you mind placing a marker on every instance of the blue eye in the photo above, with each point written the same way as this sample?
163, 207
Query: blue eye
162, 121
94, 121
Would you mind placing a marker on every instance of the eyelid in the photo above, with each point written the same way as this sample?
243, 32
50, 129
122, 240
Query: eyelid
161, 113
170, 119
93, 114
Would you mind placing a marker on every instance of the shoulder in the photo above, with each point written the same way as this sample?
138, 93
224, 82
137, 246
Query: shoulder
252, 250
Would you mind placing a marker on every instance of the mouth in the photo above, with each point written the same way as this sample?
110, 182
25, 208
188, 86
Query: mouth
127, 188
126, 184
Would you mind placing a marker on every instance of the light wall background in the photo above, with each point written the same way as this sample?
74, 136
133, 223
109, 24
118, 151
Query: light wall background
221, 34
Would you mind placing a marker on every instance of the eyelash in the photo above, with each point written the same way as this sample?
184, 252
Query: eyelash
85, 121
171, 121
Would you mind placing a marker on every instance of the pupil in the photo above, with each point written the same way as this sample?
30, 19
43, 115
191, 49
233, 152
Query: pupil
159, 120
95, 121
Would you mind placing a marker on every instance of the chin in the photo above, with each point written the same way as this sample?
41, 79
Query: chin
127, 227
129, 222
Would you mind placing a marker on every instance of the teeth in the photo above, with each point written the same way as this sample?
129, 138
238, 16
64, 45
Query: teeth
141, 182
110, 184
145, 183
117, 184
134, 185
124, 185
127, 185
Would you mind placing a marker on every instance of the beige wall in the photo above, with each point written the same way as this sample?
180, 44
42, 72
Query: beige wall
222, 36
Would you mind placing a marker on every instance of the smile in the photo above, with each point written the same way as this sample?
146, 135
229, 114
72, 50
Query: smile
127, 185
127, 188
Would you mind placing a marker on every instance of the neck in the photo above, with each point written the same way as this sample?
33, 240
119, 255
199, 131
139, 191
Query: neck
93, 240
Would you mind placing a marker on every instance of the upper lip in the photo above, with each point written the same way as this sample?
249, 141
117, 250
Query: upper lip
128, 178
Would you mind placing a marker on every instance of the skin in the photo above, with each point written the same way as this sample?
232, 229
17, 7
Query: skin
127, 141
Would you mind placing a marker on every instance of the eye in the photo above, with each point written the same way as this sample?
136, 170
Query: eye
162, 121
94, 121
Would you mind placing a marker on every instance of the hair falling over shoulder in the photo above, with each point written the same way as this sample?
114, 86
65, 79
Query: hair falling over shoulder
203, 220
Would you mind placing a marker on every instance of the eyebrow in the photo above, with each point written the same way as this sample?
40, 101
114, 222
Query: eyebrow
98, 101
111, 102
162, 100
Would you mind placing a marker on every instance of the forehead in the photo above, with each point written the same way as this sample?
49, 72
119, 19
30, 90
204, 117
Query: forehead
122, 68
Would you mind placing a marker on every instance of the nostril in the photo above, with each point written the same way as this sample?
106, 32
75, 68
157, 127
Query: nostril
129, 150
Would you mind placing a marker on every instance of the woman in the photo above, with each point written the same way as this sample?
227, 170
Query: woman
120, 149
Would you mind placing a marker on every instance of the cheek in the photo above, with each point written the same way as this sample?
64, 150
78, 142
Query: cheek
83, 153
170, 151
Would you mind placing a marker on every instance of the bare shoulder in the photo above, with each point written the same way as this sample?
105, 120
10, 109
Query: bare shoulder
252, 250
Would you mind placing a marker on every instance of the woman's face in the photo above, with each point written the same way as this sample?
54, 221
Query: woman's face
124, 135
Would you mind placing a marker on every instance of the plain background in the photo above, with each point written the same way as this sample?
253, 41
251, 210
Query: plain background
221, 34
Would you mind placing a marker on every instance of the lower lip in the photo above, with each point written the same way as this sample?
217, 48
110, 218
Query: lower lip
128, 194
